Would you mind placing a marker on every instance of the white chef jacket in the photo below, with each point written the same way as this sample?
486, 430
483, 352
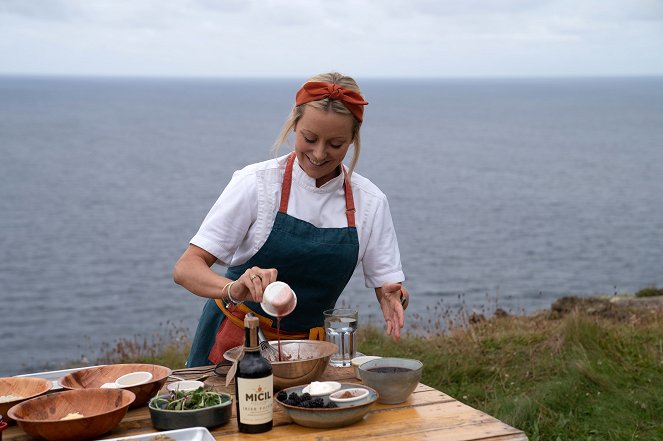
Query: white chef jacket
242, 217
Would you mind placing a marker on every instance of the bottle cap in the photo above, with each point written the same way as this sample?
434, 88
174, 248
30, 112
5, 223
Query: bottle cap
251, 321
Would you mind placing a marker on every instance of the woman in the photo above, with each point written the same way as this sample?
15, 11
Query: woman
299, 219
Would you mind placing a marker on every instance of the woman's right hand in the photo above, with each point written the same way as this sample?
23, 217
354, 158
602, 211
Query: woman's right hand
193, 272
251, 285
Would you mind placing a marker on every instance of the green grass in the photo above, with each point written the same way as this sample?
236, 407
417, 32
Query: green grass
650, 291
167, 348
578, 377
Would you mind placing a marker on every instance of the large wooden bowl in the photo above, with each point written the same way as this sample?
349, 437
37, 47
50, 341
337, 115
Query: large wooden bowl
102, 410
95, 377
22, 387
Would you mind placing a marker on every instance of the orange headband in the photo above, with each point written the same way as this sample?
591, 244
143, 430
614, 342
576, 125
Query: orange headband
317, 90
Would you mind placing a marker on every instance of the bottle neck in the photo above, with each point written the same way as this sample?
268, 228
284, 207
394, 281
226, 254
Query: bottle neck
251, 342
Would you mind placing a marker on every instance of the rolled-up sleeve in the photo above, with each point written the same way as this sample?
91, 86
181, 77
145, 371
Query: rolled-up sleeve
382, 260
229, 220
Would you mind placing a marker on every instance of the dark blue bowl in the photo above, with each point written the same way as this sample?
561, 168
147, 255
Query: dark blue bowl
179, 419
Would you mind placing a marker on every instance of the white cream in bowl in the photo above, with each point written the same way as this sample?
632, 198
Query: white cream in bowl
320, 388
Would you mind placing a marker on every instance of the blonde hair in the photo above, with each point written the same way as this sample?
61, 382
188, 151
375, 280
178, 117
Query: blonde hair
325, 104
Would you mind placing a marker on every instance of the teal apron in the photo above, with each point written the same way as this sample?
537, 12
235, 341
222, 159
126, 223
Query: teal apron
317, 263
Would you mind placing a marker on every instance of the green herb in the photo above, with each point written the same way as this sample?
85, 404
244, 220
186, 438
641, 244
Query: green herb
189, 400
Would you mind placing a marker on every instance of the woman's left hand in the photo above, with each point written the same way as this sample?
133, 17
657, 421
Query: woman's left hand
393, 298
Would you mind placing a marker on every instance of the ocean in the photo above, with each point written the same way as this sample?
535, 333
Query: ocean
505, 193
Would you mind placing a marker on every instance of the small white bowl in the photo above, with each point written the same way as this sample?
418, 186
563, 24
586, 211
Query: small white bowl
358, 361
133, 379
279, 299
185, 385
358, 395
329, 388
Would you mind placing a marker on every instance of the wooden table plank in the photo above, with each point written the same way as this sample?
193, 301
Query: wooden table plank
428, 414
451, 421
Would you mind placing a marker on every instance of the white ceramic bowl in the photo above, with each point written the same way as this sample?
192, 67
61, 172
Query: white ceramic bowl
279, 299
350, 397
358, 361
133, 379
185, 385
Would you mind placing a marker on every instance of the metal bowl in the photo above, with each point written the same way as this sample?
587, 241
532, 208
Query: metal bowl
309, 360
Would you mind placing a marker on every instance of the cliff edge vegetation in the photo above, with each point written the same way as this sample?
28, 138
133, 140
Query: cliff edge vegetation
587, 369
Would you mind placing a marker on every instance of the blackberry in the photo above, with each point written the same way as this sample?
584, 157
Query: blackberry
291, 403
306, 396
319, 402
294, 397
282, 396
306, 404
330, 405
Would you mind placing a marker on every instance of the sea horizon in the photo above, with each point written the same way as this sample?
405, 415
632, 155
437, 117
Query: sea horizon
508, 193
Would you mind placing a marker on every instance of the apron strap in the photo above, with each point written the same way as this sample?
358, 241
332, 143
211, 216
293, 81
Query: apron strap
242, 308
317, 333
287, 183
349, 199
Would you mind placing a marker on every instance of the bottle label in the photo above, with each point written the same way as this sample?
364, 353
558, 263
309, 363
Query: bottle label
255, 399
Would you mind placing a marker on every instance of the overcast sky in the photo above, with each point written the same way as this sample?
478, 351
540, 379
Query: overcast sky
295, 38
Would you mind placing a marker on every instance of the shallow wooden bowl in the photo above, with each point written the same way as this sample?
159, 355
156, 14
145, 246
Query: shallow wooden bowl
22, 387
103, 409
95, 377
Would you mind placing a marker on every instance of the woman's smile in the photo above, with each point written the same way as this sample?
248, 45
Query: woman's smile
321, 142
316, 163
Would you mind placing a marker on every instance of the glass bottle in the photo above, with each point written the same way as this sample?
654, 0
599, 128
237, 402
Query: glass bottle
254, 384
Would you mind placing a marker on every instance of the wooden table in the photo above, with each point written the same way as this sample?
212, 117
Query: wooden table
428, 414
